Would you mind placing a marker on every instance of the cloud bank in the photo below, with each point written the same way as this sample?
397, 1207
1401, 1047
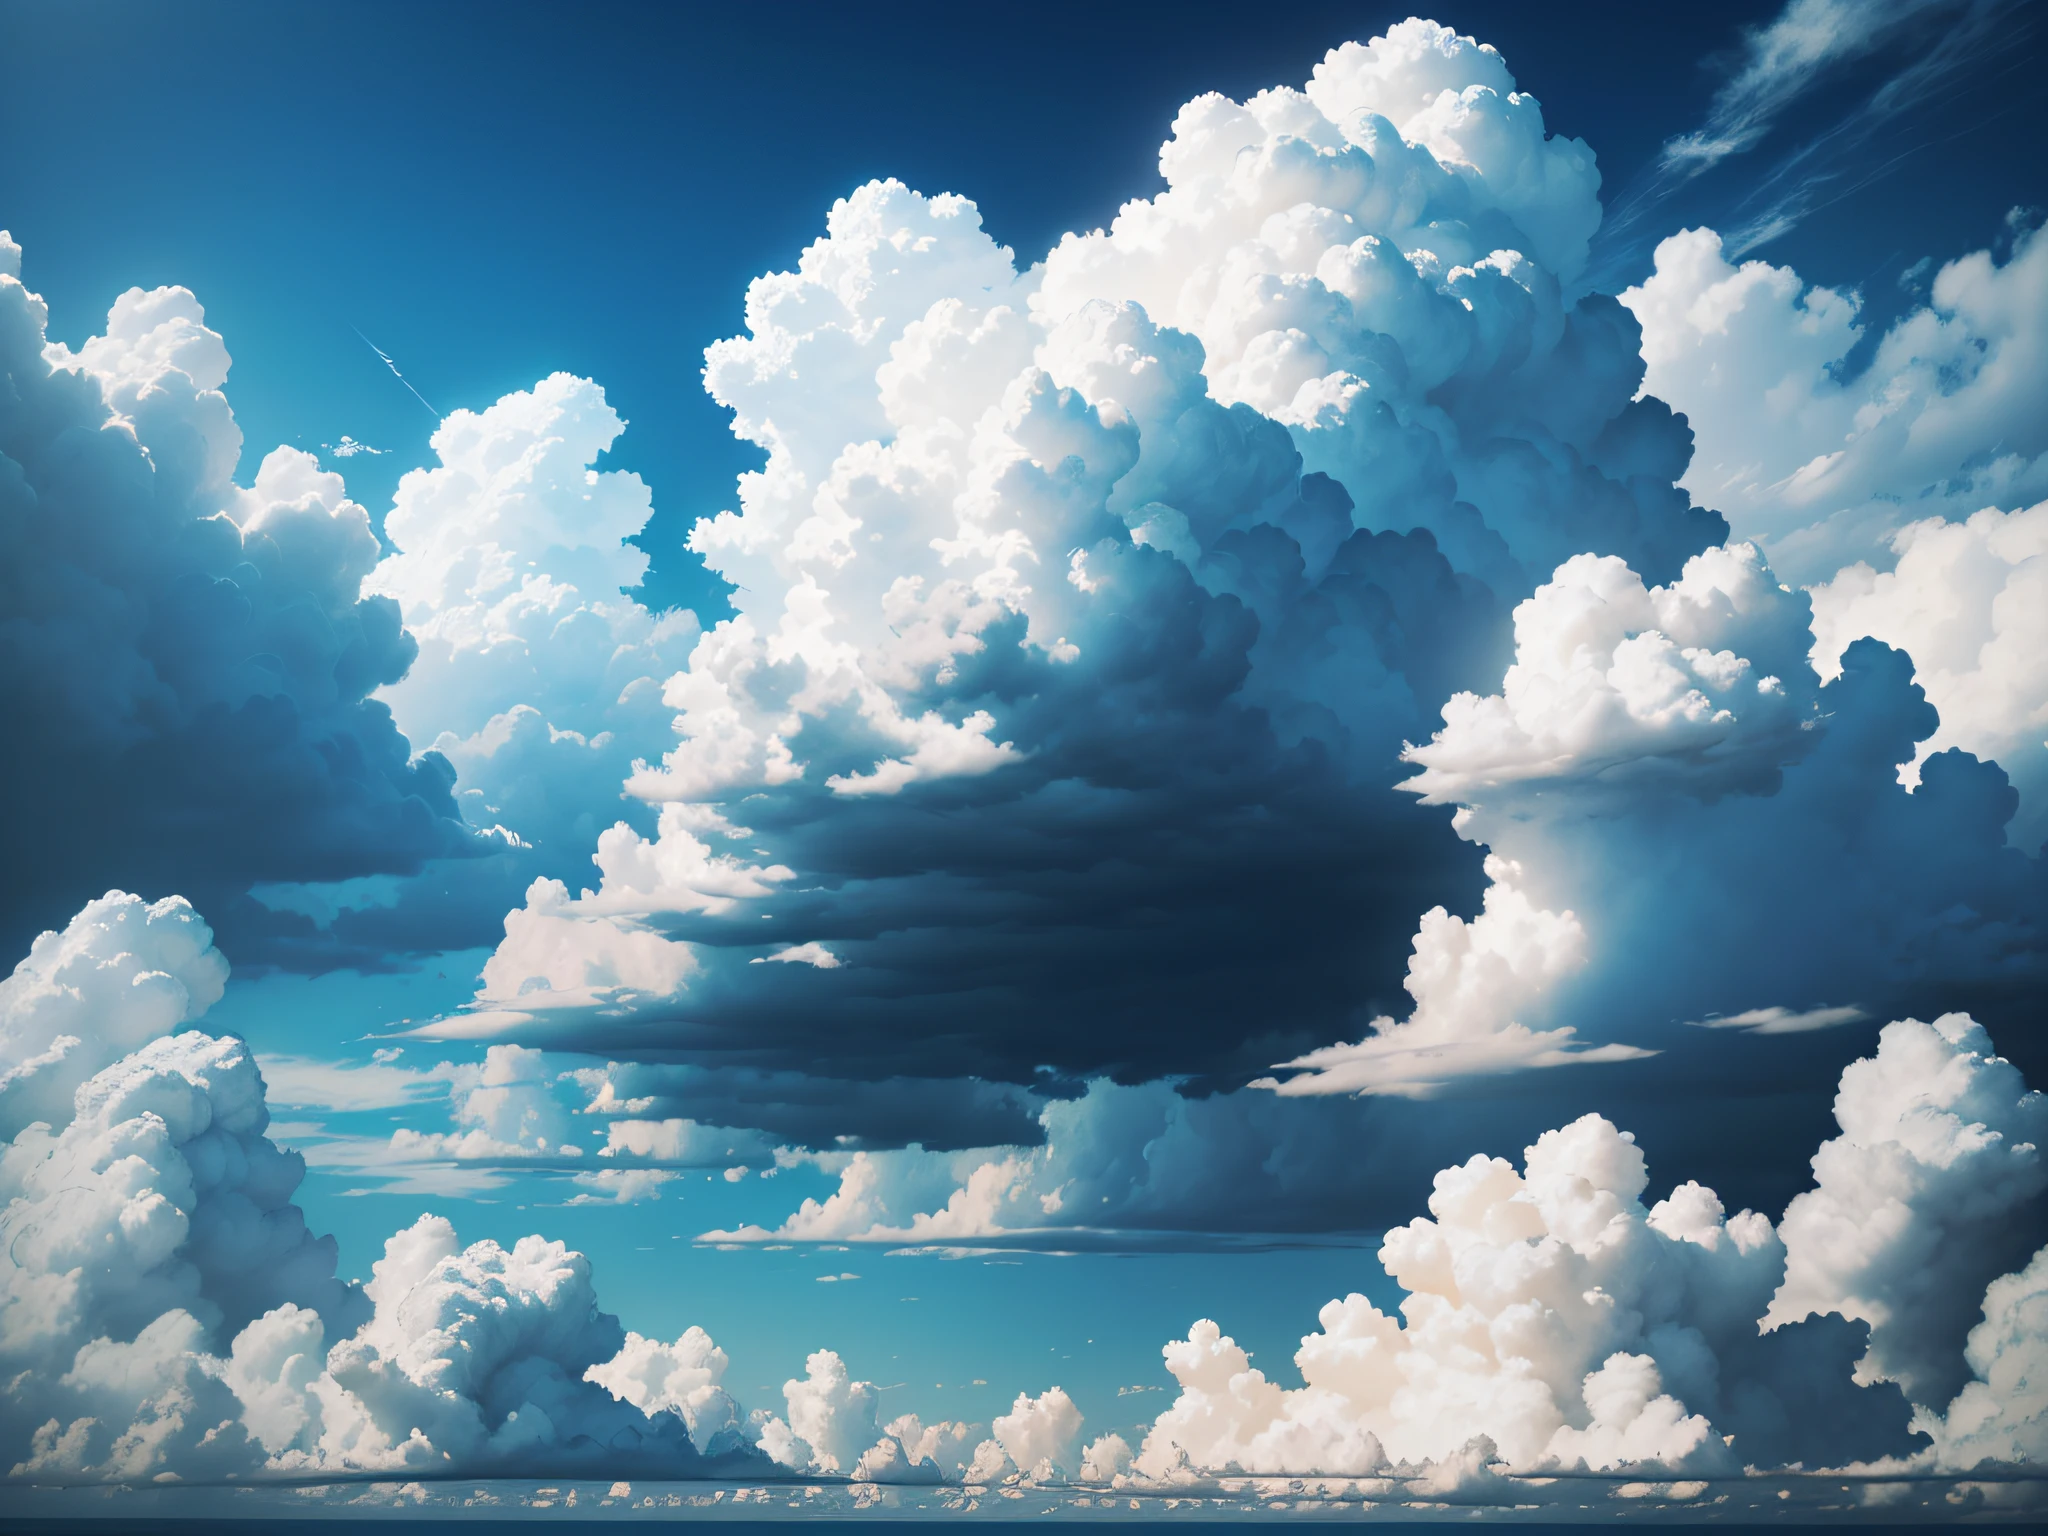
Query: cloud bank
1267, 652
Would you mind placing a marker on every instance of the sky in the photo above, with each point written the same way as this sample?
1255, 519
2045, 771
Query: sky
1308, 745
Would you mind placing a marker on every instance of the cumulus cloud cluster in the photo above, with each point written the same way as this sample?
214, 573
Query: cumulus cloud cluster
166, 1314
1099, 625
186, 663
1555, 1323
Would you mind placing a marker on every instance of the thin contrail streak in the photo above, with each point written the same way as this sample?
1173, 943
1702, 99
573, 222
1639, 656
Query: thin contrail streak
388, 363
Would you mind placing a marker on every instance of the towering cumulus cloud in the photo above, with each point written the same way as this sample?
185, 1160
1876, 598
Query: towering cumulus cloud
1083, 611
185, 663
165, 1314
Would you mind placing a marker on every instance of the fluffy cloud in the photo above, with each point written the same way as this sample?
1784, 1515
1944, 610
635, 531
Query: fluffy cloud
831, 1421
1966, 600
1105, 1459
2002, 1415
1040, 1434
1819, 460
120, 973
536, 678
1931, 1191
157, 1219
1700, 686
185, 663
507, 1105
831, 1428
495, 1360
165, 1164
1550, 1312
166, 1314
684, 1376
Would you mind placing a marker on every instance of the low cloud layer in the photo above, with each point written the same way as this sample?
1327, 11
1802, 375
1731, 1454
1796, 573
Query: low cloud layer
1553, 1320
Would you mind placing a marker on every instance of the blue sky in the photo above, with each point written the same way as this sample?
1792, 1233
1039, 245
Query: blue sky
1049, 785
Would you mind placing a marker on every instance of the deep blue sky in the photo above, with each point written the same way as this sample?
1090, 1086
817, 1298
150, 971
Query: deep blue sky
493, 195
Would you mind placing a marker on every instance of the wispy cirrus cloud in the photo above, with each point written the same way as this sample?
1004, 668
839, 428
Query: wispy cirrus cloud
1781, 1020
304, 1082
1784, 60
1938, 47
